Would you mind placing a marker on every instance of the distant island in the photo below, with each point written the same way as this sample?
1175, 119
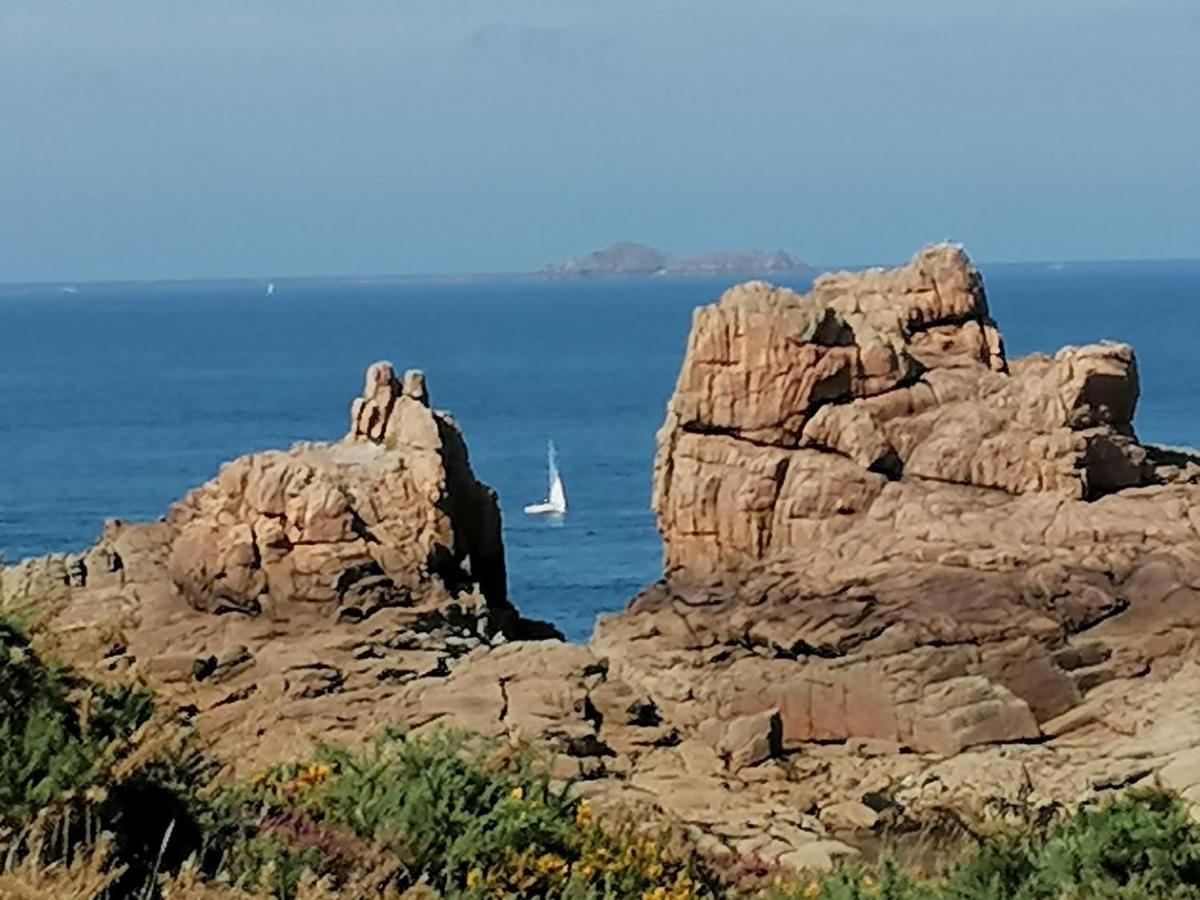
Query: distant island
626, 258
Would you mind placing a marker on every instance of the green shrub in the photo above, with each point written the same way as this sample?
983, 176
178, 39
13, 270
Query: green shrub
57, 731
1141, 846
464, 817
79, 758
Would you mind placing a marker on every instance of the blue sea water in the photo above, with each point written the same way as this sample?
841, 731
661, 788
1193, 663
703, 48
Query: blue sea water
116, 400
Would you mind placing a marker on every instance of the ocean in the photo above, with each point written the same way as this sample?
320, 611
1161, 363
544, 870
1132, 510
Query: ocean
117, 399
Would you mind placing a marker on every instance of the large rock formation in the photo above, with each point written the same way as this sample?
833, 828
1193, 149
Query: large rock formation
793, 413
877, 526
908, 581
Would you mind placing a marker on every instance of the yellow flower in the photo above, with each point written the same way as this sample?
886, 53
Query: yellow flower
868, 883
813, 890
683, 889
552, 865
258, 778
518, 793
583, 815
474, 877
316, 773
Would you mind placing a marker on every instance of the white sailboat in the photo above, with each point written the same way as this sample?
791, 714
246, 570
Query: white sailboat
555, 503
270, 288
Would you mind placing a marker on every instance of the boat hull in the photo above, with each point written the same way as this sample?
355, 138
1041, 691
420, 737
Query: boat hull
545, 509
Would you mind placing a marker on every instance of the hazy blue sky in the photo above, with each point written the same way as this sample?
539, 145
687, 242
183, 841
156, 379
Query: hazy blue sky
152, 138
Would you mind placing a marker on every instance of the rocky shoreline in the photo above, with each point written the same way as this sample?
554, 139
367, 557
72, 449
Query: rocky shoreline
907, 581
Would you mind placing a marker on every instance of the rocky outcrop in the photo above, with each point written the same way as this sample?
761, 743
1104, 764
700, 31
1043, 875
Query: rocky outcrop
879, 527
910, 584
290, 599
370, 522
792, 413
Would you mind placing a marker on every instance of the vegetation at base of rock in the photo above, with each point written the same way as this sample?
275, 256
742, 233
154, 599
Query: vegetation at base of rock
87, 770
463, 817
99, 800
79, 760
1141, 846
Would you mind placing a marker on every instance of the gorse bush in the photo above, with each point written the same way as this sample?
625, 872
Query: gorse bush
1142, 845
466, 818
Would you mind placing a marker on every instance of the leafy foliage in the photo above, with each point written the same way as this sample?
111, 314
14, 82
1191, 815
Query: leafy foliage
1141, 846
78, 759
462, 817
57, 731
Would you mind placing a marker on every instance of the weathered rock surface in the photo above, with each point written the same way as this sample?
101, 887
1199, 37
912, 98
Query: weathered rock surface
291, 598
359, 525
908, 548
877, 526
909, 582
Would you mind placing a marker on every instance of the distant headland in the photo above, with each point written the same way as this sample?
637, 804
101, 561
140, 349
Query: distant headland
626, 258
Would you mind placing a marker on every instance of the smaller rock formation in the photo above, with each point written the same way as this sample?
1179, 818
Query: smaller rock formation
290, 599
370, 522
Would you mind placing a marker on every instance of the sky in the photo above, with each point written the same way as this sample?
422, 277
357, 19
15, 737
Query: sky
219, 138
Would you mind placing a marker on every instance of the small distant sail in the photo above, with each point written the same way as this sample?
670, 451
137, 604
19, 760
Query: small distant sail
555, 503
557, 495
270, 288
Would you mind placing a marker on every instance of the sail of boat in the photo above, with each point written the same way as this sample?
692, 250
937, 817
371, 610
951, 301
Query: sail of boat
555, 503
270, 288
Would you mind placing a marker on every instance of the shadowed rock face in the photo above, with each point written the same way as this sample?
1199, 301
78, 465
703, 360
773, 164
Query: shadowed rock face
878, 526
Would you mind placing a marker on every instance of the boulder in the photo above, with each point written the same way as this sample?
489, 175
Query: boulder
818, 857
750, 740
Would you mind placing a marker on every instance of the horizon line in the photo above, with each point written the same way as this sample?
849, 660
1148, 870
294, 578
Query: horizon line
553, 276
